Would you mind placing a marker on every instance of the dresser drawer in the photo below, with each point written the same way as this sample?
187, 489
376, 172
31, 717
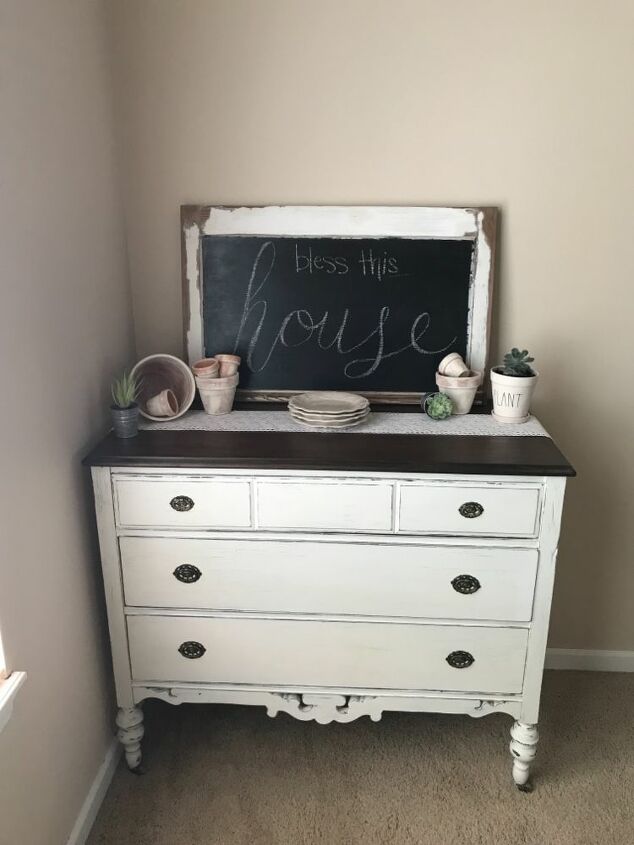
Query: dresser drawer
495, 511
337, 654
329, 505
205, 503
331, 578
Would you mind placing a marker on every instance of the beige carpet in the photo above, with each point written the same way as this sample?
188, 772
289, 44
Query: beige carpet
232, 776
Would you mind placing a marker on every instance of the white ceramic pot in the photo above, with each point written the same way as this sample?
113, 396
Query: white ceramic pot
217, 394
512, 397
461, 391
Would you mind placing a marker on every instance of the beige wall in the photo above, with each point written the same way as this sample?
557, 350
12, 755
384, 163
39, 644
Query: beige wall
65, 327
527, 106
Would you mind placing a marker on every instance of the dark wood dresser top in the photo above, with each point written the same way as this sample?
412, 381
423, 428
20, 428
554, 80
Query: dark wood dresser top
347, 452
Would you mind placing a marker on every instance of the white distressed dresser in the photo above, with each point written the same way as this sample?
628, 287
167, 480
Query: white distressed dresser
330, 576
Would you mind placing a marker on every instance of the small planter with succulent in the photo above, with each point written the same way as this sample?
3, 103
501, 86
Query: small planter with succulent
125, 410
512, 386
437, 406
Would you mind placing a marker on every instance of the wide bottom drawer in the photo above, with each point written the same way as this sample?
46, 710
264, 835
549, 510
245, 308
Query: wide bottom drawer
335, 654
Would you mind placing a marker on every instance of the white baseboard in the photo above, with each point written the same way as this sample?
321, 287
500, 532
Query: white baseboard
95, 796
590, 660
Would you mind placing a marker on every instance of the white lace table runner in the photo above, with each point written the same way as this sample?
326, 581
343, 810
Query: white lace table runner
380, 422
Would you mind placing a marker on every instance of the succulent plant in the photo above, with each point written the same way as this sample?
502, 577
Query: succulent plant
438, 406
517, 363
125, 390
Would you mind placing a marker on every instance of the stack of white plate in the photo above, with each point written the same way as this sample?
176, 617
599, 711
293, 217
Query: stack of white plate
328, 409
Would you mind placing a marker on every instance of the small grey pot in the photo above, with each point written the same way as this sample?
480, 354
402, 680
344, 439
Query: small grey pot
125, 421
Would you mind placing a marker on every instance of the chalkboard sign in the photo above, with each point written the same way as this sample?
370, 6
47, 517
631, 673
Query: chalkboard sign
367, 300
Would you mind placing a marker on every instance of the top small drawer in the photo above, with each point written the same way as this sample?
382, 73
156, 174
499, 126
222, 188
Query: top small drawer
496, 511
204, 503
325, 505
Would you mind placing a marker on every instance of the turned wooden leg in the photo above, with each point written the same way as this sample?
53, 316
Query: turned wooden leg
523, 750
130, 723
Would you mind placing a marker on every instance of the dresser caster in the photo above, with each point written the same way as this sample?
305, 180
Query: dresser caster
130, 723
523, 749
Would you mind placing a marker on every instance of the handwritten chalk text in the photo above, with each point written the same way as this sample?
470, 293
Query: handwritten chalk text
370, 262
327, 330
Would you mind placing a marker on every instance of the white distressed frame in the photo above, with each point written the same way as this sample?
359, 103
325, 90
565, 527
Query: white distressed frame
475, 224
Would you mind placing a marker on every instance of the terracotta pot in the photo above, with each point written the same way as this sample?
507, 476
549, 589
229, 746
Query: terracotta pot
164, 404
164, 372
206, 368
512, 396
461, 391
228, 364
453, 365
216, 383
217, 394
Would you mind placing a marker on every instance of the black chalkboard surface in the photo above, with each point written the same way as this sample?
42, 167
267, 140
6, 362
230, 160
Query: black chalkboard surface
361, 314
360, 298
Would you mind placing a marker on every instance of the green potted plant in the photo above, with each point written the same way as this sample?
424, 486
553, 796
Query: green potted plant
125, 410
438, 406
512, 385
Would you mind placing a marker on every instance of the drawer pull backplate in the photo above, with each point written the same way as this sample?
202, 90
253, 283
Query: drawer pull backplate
460, 659
193, 650
471, 510
187, 573
466, 584
182, 503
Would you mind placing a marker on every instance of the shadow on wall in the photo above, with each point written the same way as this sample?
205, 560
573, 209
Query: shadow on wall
590, 527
